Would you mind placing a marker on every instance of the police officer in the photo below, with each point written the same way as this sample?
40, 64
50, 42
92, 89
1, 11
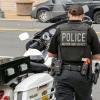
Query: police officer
72, 42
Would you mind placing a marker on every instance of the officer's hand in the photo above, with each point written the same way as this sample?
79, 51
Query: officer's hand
48, 62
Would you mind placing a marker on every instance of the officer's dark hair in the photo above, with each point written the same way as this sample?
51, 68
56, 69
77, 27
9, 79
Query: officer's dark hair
76, 10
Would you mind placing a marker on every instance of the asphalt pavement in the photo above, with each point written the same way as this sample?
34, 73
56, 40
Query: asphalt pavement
11, 45
24, 25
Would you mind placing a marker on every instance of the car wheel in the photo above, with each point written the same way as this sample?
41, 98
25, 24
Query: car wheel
97, 17
43, 15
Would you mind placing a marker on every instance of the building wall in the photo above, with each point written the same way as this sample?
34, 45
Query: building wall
11, 4
7, 4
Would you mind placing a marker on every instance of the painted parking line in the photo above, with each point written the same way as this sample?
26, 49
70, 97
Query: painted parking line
20, 29
24, 30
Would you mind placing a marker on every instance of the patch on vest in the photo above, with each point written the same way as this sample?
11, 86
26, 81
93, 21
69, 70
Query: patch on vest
73, 38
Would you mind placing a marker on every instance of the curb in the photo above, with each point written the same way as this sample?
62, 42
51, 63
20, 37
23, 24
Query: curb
20, 29
17, 19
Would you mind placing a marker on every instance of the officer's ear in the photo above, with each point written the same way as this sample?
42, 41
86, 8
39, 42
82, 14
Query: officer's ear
68, 15
82, 16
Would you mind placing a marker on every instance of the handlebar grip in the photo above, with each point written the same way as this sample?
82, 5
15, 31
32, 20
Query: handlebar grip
33, 45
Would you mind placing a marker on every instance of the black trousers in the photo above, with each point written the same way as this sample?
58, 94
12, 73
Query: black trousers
71, 85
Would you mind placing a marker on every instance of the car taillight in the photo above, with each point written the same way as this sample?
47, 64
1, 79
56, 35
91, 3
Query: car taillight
1, 94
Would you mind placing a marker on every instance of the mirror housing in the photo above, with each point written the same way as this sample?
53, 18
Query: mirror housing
24, 36
86, 8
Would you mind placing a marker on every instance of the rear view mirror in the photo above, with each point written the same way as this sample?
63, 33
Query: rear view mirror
86, 8
24, 36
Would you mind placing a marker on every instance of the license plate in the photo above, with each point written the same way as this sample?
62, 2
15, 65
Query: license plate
45, 97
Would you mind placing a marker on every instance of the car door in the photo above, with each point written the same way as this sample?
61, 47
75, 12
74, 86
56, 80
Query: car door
58, 8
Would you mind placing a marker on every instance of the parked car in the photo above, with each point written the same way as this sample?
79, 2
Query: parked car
56, 9
2, 15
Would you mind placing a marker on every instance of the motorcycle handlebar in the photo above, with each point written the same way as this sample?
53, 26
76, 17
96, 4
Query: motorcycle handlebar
36, 44
33, 45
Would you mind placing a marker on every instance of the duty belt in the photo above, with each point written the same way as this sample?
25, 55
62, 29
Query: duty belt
72, 67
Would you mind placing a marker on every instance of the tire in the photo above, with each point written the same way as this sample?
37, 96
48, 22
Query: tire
97, 17
43, 15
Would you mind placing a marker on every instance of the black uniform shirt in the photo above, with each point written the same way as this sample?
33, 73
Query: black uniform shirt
92, 39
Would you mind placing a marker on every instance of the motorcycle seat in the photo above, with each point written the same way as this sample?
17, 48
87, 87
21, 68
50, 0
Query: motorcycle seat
37, 59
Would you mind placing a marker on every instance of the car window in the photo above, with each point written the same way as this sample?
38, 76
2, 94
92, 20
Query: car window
58, 1
70, 1
81, 0
66, 1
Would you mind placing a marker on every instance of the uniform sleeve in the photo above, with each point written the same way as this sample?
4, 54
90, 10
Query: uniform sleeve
95, 43
53, 48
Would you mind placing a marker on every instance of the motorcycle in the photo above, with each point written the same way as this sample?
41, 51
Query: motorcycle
23, 78
15, 72
30, 70
19, 80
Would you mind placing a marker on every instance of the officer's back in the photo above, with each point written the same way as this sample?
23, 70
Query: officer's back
73, 43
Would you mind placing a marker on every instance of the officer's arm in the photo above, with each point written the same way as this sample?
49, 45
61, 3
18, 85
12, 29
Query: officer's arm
95, 44
53, 49
51, 55
48, 61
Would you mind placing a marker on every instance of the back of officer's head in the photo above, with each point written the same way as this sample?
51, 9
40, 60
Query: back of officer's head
76, 10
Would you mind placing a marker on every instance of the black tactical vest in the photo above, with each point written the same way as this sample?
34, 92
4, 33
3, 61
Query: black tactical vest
73, 42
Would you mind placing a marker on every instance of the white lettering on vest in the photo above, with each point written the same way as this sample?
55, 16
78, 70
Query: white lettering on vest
73, 37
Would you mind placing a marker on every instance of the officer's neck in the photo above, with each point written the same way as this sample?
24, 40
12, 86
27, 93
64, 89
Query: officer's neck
75, 18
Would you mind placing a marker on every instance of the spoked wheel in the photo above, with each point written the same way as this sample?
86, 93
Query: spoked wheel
43, 15
97, 17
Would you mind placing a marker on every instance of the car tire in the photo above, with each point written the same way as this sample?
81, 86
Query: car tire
97, 17
43, 15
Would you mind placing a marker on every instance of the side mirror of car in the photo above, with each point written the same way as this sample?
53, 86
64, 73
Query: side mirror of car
86, 8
